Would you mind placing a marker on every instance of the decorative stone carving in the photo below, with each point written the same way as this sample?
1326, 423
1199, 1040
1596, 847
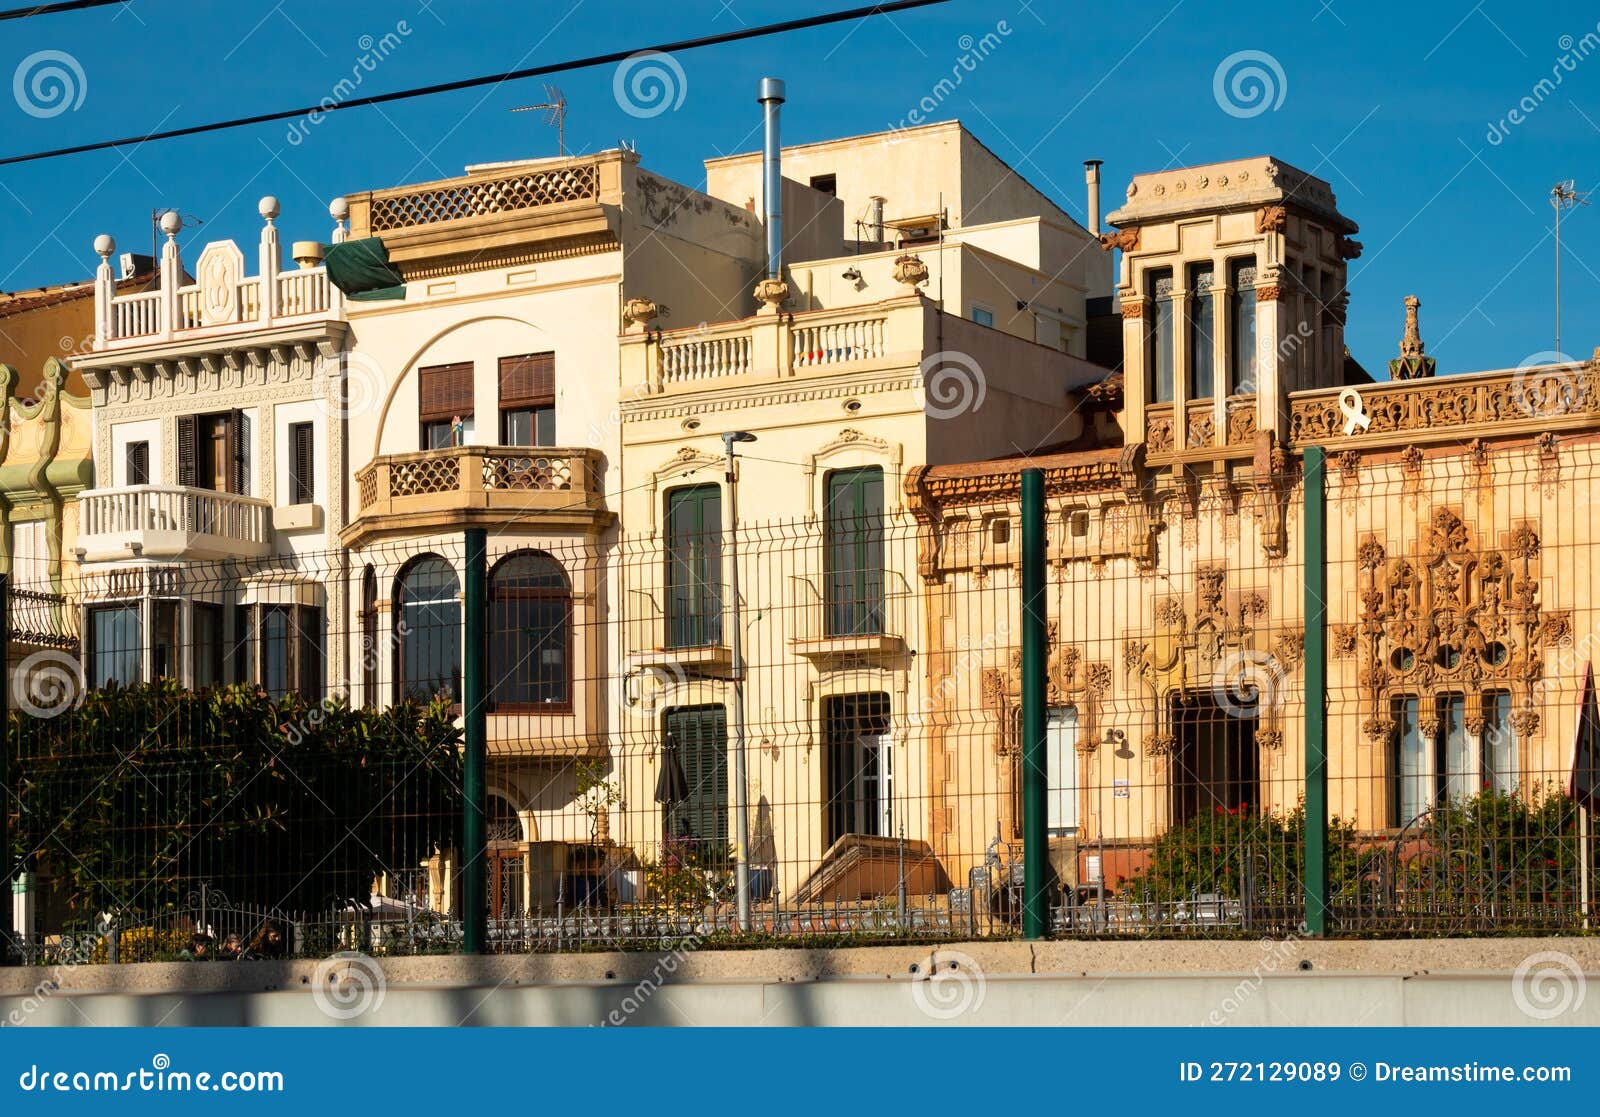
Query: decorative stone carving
1411, 364
218, 272
1349, 249
1125, 239
910, 270
1455, 618
1133, 308
773, 292
1269, 739
639, 312
1271, 219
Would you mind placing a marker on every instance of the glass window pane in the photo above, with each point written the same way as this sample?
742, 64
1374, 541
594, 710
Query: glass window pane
1460, 780
1499, 745
1412, 767
430, 636
114, 630
1160, 355
275, 631
530, 624
1202, 335
544, 426
854, 576
516, 428
1242, 343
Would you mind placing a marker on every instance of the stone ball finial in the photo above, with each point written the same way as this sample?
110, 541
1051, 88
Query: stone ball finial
171, 222
339, 209
268, 208
104, 245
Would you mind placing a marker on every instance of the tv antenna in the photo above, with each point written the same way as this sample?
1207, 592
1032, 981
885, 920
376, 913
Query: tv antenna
554, 107
1563, 197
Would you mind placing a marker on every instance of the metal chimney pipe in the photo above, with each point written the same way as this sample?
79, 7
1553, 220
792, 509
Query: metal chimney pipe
877, 217
772, 95
1091, 175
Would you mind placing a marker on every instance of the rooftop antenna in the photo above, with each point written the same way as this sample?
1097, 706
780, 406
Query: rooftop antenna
1563, 197
555, 113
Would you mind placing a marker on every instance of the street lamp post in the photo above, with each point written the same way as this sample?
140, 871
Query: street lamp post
741, 794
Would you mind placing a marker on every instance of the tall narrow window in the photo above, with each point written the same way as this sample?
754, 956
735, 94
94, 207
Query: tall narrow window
369, 638
1498, 746
207, 623
530, 634
302, 470
428, 628
136, 469
445, 404
1242, 328
1410, 763
1457, 768
1202, 333
694, 566
308, 653
1158, 346
528, 400
164, 642
854, 588
239, 665
114, 645
277, 634
699, 734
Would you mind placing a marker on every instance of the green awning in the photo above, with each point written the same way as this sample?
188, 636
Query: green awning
361, 269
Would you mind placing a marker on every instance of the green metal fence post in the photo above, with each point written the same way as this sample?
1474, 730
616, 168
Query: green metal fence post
474, 707
1035, 852
1314, 525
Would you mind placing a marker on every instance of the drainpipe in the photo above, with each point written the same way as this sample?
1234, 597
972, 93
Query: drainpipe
771, 98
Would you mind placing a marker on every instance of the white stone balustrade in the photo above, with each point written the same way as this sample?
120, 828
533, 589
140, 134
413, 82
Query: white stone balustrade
171, 522
222, 297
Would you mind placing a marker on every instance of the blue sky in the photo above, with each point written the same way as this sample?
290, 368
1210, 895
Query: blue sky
1392, 103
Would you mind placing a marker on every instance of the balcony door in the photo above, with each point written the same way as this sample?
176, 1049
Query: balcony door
214, 452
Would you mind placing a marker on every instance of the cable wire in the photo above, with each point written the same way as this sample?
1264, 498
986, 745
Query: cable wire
59, 6
490, 79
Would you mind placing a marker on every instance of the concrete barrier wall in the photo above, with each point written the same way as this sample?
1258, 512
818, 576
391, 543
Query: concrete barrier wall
1086, 984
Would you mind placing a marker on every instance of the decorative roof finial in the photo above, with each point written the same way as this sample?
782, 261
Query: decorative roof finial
1411, 364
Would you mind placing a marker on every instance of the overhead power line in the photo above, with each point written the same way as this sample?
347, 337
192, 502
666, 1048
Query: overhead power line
60, 6
489, 79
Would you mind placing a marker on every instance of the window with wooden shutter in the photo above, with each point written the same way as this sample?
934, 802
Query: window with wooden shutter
189, 451
446, 392
137, 470
528, 399
239, 447
302, 475
700, 734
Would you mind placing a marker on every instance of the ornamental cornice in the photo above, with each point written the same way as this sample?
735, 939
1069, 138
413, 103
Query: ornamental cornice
738, 399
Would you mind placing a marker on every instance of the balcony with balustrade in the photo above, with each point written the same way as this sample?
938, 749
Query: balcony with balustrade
222, 301
538, 488
170, 522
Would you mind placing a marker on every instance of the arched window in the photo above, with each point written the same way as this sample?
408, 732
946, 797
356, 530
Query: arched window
530, 634
428, 630
369, 638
